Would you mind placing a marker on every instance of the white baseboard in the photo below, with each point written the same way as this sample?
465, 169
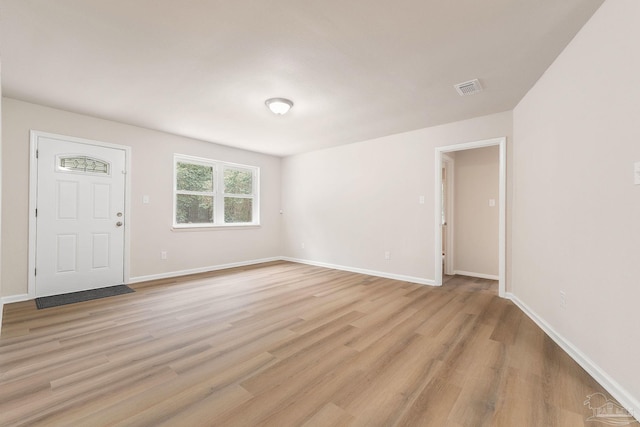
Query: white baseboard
179, 273
478, 275
8, 300
26, 297
401, 277
612, 386
171, 274
16, 298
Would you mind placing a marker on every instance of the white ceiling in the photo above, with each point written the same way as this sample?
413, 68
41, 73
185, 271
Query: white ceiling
355, 69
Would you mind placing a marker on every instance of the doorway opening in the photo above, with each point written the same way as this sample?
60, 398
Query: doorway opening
443, 224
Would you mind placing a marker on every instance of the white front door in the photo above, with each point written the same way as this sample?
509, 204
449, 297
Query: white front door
80, 216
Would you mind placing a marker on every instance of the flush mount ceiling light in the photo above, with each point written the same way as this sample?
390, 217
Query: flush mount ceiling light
278, 105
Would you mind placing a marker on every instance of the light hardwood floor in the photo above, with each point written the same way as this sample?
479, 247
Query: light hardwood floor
284, 344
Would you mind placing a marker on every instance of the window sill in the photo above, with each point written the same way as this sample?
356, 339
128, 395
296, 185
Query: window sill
215, 227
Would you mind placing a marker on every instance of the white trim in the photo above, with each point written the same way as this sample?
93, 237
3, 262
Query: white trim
15, 298
612, 386
401, 277
33, 202
33, 191
217, 193
478, 275
172, 274
1, 300
449, 165
502, 227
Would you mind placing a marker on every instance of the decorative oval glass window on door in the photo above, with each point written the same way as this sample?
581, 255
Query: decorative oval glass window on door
82, 164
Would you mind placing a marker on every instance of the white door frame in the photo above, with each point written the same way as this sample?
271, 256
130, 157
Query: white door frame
502, 227
448, 164
33, 199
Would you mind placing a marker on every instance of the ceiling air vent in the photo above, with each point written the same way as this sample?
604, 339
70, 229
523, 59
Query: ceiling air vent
468, 88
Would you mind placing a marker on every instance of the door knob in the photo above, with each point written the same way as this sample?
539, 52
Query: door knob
119, 224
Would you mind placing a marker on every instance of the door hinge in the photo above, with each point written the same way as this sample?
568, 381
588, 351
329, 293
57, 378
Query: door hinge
35, 271
36, 212
36, 154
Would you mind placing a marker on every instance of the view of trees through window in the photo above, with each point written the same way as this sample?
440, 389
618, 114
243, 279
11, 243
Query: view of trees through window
204, 191
194, 201
238, 182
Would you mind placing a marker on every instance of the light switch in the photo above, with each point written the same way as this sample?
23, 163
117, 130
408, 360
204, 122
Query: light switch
145, 199
421, 200
636, 173
492, 202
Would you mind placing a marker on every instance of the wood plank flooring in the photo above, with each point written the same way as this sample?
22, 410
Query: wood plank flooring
284, 344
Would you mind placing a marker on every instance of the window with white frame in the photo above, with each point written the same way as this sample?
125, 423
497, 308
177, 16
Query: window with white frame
209, 193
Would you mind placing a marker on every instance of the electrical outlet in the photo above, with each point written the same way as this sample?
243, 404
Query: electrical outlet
163, 255
387, 255
563, 299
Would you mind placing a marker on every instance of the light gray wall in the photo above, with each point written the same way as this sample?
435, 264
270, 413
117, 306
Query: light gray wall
576, 225
151, 174
351, 204
476, 224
